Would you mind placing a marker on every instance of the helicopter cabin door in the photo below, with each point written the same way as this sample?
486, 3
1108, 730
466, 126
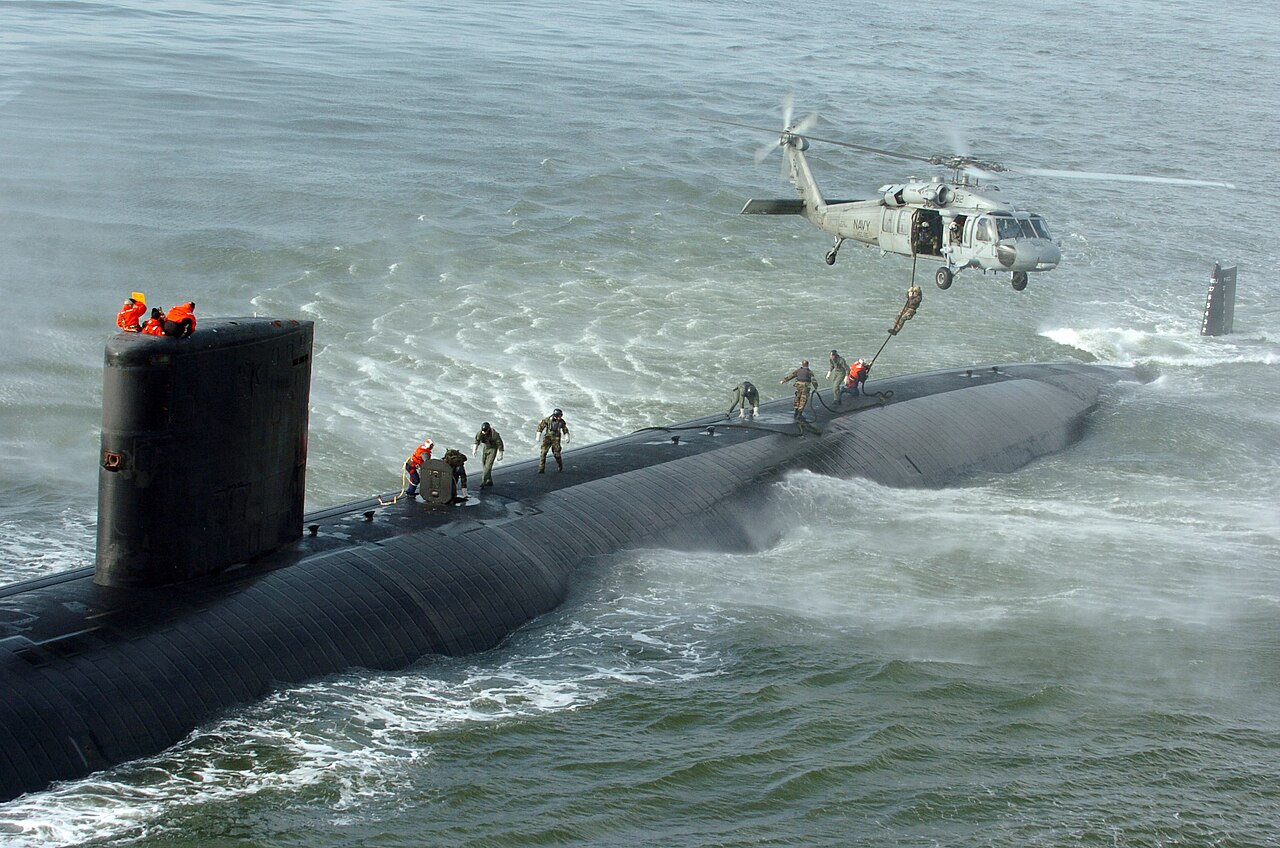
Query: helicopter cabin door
926, 233
895, 231
982, 242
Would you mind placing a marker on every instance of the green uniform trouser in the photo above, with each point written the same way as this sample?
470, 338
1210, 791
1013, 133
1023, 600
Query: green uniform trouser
802, 395
907, 313
550, 444
746, 401
490, 454
839, 370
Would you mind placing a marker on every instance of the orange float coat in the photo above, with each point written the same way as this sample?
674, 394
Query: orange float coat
130, 314
153, 327
420, 455
857, 373
182, 312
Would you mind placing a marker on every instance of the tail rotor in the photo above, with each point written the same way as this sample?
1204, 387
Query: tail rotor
800, 128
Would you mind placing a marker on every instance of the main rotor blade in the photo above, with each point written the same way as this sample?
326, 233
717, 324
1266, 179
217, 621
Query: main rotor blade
773, 130
1118, 178
892, 154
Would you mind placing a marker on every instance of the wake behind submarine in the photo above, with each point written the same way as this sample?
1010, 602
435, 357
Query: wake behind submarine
211, 595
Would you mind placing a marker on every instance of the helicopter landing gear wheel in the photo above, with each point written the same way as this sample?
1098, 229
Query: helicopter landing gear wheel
830, 255
1019, 280
944, 277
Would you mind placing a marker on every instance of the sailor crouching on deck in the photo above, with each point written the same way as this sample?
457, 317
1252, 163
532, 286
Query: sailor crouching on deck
154, 325
855, 382
457, 461
413, 466
180, 321
748, 396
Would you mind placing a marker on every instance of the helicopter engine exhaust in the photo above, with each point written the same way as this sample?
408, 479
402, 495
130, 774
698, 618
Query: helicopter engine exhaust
936, 194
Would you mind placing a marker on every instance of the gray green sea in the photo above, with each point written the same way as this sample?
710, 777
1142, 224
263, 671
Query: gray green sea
492, 209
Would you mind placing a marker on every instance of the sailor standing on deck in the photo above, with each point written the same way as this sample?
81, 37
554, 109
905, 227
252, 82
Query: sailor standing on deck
550, 430
804, 385
130, 317
836, 374
491, 441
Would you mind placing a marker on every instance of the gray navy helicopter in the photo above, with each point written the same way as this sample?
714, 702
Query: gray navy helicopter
956, 221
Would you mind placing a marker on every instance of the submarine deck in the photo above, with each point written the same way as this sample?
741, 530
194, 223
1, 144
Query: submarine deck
97, 675
519, 485
56, 613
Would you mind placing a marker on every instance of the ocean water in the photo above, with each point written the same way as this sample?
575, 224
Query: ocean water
491, 209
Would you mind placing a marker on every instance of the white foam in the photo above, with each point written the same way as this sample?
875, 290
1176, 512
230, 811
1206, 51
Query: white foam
366, 735
1165, 346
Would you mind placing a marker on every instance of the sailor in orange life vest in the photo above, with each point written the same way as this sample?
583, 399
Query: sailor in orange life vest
856, 380
181, 320
154, 325
413, 466
130, 317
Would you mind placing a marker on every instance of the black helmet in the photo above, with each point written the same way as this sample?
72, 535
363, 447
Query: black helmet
556, 413
484, 426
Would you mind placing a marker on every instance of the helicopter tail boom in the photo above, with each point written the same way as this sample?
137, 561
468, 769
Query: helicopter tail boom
788, 206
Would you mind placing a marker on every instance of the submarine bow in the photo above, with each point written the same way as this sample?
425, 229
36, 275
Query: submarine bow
100, 671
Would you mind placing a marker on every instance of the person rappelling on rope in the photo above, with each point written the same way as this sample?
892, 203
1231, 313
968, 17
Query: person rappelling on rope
805, 384
914, 296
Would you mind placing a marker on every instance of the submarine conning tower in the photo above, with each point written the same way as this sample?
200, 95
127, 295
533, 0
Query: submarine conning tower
204, 449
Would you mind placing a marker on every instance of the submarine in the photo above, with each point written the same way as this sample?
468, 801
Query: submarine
211, 588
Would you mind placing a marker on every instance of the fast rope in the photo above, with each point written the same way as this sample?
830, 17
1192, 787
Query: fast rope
899, 323
817, 394
404, 484
878, 352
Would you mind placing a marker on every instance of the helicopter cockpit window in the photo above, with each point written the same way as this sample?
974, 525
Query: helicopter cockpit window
983, 230
1006, 227
1028, 231
1041, 228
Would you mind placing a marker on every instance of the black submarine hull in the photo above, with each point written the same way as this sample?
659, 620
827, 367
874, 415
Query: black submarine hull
96, 675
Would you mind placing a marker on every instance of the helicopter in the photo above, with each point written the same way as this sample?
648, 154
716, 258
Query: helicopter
955, 221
